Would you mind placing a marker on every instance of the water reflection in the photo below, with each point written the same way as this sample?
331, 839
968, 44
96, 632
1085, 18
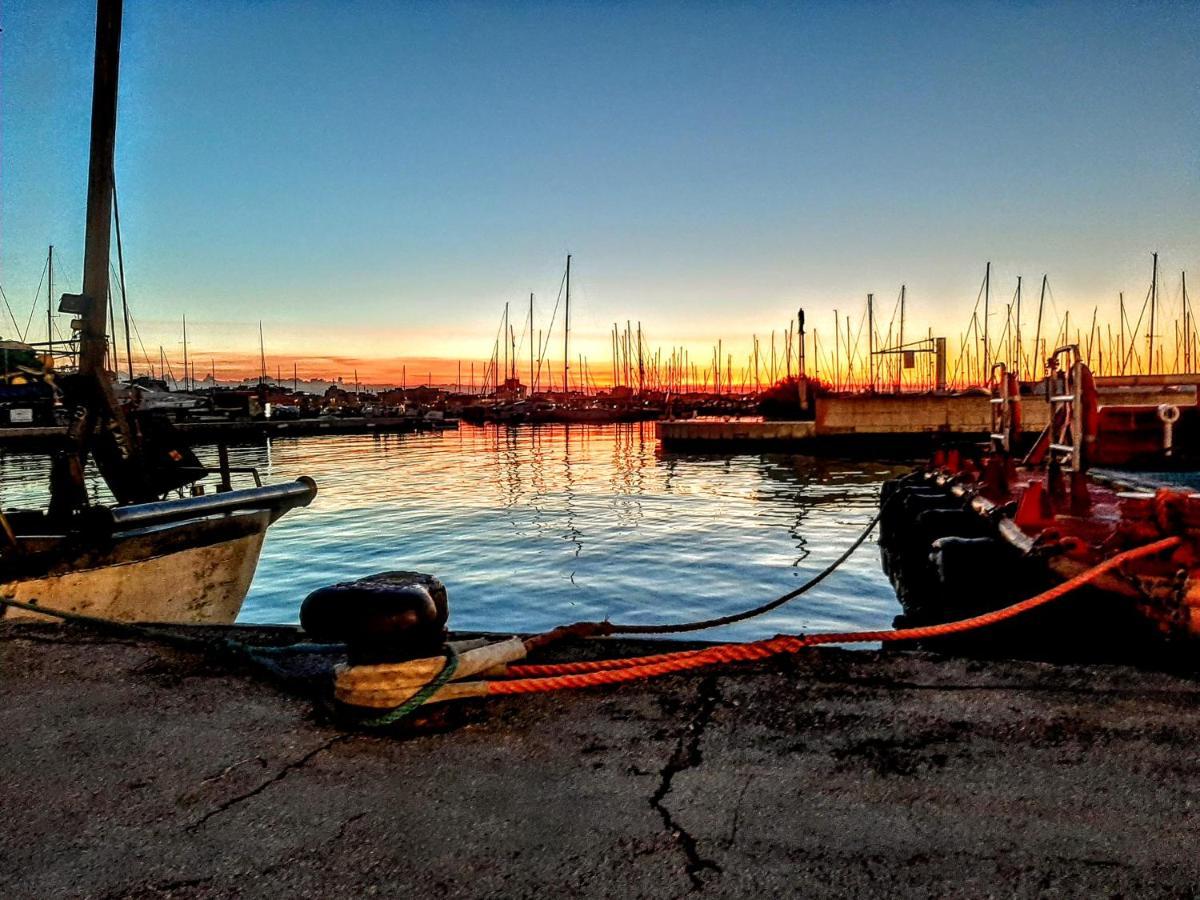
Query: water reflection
531, 526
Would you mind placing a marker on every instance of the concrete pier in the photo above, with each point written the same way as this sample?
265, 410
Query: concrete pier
882, 422
677, 432
135, 771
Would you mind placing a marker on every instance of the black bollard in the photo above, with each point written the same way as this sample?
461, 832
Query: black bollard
389, 617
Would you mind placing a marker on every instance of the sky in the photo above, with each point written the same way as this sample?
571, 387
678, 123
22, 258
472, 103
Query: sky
374, 180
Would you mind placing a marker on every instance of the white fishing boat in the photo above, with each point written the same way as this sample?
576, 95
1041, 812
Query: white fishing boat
171, 548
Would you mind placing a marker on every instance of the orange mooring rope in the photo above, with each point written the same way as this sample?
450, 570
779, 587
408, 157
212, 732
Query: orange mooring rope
561, 676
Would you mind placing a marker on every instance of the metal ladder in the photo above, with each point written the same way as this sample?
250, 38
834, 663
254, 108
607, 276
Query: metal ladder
1002, 410
1064, 392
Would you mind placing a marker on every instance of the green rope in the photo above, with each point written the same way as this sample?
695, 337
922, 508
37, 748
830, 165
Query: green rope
418, 699
226, 649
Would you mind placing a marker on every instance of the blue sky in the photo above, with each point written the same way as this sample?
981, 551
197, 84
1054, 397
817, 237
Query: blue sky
374, 180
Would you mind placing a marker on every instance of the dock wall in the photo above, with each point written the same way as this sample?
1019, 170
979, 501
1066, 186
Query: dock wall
733, 431
917, 414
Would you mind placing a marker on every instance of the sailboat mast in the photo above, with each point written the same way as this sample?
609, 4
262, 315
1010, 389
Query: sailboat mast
120, 469
1018, 328
987, 297
186, 378
49, 300
1121, 302
530, 391
121, 276
92, 339
1153, 304
1187, 330
1039, 371
871, 341
262, 356
567, 332
837, 351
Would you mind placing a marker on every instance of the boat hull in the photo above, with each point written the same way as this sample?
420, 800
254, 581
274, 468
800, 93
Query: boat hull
951, 553
195, 571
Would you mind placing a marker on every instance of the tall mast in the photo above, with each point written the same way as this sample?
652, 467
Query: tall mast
871, 340
900, 358
987, 296
567, 332
49, 301
262, 356
1187, 330
1153, 304
92, 338
1018, 328
186, 379
641, 361
837, 351
849, 358
530, 391
120, 470
121, 276
1037, 335
1121, 302
614, 355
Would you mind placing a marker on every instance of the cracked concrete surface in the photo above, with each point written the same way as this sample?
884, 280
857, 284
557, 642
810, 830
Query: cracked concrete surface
129, 770
687, 755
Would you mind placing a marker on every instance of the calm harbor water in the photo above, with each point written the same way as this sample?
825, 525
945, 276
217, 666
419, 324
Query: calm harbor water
530, 527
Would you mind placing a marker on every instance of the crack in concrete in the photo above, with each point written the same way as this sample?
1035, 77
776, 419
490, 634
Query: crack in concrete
737, 812
687, 755
283, 772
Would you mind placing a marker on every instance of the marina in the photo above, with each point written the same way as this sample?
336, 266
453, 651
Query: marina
774, 586
555, 522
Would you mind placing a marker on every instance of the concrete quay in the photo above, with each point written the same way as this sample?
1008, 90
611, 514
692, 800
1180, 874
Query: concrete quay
725, 432
846, 423
852, 423
131, 770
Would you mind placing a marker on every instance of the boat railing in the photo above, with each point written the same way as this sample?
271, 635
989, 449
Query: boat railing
278, 498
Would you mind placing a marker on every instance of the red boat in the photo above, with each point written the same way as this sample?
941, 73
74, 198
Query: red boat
981, 528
